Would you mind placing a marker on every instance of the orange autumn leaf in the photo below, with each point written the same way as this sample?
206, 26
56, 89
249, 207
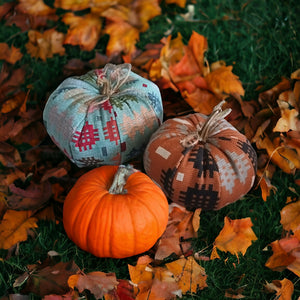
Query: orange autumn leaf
83, 31
180, 3
223, 82
236, 236
286, 254
10, 54
289, 118
189, 274
72, 4
98, 283
45, 45
265, 184
125, 22
35, 8
284, 288
290, 216
14, 227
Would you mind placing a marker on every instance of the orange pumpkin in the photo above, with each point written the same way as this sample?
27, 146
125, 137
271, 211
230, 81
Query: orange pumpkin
115, 212
201, 162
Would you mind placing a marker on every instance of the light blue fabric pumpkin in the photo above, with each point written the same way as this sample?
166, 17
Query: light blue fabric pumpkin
103, 117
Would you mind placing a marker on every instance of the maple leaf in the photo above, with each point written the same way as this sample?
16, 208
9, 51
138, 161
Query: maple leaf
124, 24
45, 45
236, 236
83, 31
10, 54
98, 283
284, 288
189, 274
285, 255
14, 227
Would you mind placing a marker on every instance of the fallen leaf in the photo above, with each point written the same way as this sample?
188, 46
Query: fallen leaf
34, 7
14, 227
98, 283
236, 236
48, 279
45, 45
189, 274
10, 54
83, 31
72, 4
290, 216
284, 288
33, 197
286, 254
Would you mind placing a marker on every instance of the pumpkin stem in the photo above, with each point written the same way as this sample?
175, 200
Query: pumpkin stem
204, 131
120, 179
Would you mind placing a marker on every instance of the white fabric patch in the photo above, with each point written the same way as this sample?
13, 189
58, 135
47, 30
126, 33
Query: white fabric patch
180, 176
163, 152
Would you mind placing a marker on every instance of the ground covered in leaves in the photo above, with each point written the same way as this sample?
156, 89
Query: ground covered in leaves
198, 53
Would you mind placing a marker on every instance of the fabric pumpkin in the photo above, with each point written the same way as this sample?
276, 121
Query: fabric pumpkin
115, 212
103, 117
201, 162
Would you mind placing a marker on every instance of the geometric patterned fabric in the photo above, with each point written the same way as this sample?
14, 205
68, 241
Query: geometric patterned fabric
207, 175
105, 117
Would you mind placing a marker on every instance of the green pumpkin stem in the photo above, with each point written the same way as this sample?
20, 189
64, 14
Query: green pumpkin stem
120, 179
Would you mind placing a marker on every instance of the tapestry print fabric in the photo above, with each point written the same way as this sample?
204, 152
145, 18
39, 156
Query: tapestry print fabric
103, 117
205, 174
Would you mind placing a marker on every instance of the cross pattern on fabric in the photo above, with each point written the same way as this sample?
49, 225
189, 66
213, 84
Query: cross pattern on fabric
167, 180
199, 196
86, 138
248, 149
111, 131
204, 162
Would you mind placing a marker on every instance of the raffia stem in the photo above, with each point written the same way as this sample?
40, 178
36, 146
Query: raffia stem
203, 132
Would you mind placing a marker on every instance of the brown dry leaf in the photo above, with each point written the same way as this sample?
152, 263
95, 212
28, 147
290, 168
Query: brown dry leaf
34, 7
98, 283
10, 81
189, 274
33, 197
9, 155
284, 288
181, 228
236, 236
286, 254
45, 45
83, 31
5, 8
290, 216
234, 294
14, 227
13, 103
10, 54
48, 278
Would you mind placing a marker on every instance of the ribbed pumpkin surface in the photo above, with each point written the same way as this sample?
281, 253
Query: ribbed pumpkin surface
114, 225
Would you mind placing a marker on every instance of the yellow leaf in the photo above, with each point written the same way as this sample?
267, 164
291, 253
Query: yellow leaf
214, 253
189, 274
34, 7
84, 31
236, 236
14, 227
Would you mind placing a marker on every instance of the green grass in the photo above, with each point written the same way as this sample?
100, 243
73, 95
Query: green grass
261, 40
